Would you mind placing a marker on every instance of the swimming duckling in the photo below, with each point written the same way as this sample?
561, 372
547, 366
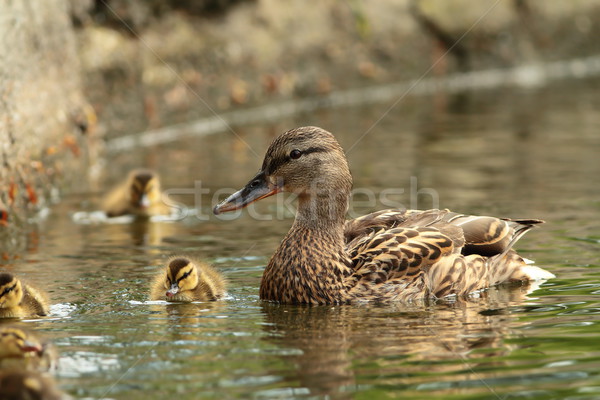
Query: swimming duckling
28, 385
22, 349
19, 300
389, 255
187, 280
139, 195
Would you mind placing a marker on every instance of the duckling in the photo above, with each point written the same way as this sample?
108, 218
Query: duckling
19, 300
188, 280
386, 256
28, 385
22, 349
139, 195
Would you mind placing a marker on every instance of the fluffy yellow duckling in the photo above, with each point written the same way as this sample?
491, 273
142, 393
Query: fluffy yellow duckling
187, 280
23, 350
19, 300
28, 385
139, 195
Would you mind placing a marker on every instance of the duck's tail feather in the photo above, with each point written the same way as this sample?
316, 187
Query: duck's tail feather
534, 273
520, 227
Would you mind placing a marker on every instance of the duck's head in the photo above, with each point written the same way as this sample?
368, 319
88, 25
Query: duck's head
307, 161
144, 188
182, 275
11, 291
15, 343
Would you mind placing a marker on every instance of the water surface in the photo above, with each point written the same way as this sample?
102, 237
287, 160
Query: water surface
514, 153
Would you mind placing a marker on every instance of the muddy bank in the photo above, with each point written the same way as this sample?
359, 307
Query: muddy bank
150, 64
43, 115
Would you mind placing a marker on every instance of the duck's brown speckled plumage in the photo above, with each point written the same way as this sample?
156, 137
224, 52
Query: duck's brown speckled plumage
295, 275
390, 255
19, 300
186, 280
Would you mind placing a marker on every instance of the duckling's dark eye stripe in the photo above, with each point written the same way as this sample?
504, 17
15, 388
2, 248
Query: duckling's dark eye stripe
15, 335
184, 276
278, 162
8, 290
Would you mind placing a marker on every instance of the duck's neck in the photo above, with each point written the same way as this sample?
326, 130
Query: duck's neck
322, 212
310, 265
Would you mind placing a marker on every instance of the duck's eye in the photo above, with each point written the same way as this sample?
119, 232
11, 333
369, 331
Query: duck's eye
295, 154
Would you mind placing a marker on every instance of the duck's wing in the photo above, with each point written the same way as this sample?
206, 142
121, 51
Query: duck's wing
394, 244
434, 253
483, 235
489, 236
413, 263
394, 264
356, 229
384, 219
386, 254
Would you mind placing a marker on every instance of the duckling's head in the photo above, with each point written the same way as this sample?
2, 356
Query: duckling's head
15, 343
182, 275
307, 161
11, 291
144, 188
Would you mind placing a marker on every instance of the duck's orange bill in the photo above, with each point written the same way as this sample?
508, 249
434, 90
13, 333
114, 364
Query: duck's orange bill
258, 188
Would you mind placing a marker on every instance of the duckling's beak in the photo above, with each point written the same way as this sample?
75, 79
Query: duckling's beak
31, 347
144, 201
173, 290
258, 188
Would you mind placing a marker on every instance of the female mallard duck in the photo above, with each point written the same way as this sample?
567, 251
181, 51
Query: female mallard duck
22, 349
389, 255
19, 300
187, 280
139, 195
26, 385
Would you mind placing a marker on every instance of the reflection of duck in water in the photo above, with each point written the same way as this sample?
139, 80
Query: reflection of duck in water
145, 232
329, 350
186, 280
139, 195
22, 349
199, 319
316, 346
19, 300
391, 255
